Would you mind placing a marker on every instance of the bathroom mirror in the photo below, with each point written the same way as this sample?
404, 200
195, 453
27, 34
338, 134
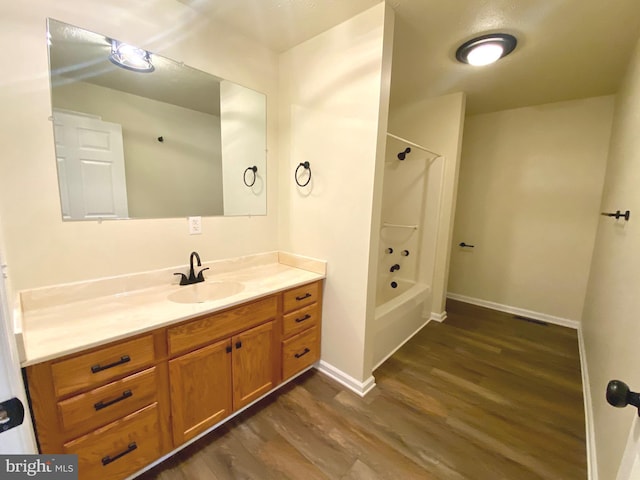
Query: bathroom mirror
150, 137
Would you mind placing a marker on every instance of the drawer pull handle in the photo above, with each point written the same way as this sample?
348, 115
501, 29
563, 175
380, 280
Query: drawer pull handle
306, 295
98, 368
108, 459
100, 405
306, 350
306, 317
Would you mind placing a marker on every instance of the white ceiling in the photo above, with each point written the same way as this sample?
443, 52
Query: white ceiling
567, 49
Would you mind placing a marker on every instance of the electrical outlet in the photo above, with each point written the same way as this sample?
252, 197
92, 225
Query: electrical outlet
195, 225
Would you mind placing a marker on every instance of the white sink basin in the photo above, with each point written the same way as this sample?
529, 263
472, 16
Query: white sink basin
205, 292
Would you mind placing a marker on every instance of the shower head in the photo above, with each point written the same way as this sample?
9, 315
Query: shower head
403, 155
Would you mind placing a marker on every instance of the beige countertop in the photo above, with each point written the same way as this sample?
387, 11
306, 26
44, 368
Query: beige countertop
55, 321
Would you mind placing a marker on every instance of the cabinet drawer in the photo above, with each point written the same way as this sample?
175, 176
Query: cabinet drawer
300, 351
92, 369
300, 320
119, 449
191, 335
87, 411
301, 296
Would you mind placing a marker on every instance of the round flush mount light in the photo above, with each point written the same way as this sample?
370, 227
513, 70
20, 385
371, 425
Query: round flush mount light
130, 57
486, 49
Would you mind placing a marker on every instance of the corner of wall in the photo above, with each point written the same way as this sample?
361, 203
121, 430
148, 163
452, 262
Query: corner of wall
356, 386
312, 99
374, 239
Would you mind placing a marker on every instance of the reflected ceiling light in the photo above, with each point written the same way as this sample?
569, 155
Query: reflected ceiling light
486, 49
130, 57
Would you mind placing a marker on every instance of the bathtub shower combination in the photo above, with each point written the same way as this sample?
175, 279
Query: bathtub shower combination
405, 262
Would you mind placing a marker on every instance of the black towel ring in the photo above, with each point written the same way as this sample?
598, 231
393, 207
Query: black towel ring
306, 166
254, 169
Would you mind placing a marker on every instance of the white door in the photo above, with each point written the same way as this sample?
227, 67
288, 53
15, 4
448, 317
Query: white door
91, 171
20, 439
630, 465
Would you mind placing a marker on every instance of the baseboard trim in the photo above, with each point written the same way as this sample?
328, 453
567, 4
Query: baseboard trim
361, 388
438, 317
401, 344
592, 464
564, 322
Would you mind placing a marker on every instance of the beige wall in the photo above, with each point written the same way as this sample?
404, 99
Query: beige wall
331, 88
435, 123
529, 193
178, 177
611, 326
39, 248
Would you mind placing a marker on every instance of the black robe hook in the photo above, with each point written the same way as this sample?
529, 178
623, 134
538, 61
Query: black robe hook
402, 155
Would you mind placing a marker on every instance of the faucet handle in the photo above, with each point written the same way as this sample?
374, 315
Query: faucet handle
200, 276
183, 278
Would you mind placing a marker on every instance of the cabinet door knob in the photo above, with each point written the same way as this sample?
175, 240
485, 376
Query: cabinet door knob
238, 344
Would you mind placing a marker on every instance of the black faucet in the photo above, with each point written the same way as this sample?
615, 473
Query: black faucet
193, 278
394, 268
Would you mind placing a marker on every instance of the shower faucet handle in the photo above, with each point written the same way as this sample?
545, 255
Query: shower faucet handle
394, 268
404, 253
389, 250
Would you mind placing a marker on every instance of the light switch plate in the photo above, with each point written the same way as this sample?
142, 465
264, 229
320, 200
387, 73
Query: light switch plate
195, 225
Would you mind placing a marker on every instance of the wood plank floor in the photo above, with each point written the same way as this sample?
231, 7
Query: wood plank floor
482, 396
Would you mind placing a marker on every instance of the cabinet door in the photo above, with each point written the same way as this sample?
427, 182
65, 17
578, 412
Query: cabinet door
254, 364
200, 390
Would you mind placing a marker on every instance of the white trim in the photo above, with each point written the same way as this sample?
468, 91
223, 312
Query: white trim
401, 344
438, 317
564, 322
361, 388
592, 463
21, 439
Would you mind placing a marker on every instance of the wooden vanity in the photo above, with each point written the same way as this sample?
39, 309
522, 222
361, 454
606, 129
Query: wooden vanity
123, 405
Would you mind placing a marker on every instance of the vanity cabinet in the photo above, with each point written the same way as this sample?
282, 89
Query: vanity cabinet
201, 393
109, 405
254, 359
123, 405
207, 385
301, 328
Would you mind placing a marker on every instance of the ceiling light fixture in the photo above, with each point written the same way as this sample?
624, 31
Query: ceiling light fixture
486, 49
130, 57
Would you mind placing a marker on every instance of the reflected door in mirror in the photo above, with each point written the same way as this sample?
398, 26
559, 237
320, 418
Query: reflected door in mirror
91, 173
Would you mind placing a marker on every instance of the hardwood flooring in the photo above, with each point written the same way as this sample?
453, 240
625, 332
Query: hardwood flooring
482, 396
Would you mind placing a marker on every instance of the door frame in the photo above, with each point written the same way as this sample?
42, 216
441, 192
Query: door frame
629, 468
21, 439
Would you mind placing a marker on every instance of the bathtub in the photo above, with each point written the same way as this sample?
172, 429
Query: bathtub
400, 313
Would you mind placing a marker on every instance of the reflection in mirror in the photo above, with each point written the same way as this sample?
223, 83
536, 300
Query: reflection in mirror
152, 138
